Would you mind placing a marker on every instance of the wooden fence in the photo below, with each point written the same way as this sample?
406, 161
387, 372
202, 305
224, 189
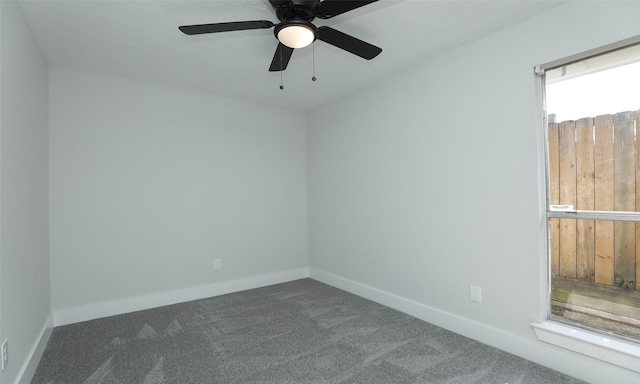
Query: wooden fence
594, 165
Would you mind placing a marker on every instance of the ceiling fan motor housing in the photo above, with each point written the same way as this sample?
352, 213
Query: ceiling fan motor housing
290, 9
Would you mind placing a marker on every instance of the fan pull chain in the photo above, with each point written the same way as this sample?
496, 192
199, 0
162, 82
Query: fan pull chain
281, 70
313, 46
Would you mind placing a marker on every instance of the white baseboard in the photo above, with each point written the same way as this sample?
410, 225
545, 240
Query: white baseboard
131, 304
457, 324
586, 369
33, 358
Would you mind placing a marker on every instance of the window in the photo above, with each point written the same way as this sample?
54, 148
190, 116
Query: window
593, 198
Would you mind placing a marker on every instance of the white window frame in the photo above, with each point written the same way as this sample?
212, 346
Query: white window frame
611, 349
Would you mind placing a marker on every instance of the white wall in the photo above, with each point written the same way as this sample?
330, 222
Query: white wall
150, 184
427, 182
24, 224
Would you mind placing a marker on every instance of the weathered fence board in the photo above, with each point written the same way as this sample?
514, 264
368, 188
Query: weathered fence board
624, 164
585, 199
554, 196
593, 165
603, 153
567, 152
637, 123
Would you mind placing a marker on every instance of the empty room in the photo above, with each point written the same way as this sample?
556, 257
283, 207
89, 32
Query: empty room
305, 191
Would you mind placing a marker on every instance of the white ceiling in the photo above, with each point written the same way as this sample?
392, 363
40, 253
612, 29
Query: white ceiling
140, 40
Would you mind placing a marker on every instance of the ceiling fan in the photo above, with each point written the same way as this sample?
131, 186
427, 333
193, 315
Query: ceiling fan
295, 29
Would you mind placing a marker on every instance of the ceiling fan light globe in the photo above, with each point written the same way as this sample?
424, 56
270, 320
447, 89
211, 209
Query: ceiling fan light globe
296, 36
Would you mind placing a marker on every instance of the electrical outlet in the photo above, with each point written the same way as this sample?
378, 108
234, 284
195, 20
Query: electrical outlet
217, 264
475, 293
5, 353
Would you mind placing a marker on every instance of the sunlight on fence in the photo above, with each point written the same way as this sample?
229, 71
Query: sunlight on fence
594, 165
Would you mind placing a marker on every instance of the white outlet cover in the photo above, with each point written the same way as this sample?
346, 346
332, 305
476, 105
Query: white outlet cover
475, 293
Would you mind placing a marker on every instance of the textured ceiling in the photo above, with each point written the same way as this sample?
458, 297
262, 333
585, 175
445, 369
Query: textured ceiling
139, 39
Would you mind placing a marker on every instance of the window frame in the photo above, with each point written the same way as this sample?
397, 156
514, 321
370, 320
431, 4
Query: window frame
605, 347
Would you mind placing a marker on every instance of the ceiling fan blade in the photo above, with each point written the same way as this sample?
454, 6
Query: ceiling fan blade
225, 27
281, 58
330, 8
348, 43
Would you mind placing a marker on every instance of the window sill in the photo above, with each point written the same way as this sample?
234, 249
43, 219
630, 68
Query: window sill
611, 350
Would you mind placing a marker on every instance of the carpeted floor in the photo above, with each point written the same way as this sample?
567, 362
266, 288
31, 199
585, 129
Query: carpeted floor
298, 332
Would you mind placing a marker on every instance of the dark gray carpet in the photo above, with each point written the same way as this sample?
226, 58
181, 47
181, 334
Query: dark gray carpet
298, 332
